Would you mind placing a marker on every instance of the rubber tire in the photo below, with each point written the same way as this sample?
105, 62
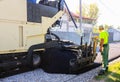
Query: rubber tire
36, 59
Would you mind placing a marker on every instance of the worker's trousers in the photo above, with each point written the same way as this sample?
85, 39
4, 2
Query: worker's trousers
105, 55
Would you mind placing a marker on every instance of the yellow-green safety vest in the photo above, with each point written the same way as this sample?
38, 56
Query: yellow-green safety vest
104, 35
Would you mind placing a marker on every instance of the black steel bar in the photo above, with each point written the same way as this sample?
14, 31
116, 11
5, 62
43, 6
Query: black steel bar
70, 14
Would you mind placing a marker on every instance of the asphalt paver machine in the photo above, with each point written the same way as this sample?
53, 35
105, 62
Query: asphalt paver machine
25, 38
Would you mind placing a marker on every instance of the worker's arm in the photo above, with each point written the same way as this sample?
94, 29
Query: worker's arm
101, 44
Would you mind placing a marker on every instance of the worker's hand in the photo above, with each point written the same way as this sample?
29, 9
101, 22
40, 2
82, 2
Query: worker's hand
101, 49
96, 37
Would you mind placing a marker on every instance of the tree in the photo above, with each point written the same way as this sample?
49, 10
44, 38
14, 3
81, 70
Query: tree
90, 11
93, 11
85, 10
106, 27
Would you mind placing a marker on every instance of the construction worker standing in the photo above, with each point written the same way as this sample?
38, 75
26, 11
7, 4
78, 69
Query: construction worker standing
104, 49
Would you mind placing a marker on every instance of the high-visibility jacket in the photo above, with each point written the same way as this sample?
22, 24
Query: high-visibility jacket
104, 35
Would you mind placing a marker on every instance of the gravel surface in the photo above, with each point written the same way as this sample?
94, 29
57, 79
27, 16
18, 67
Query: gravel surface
85, 77
39, 75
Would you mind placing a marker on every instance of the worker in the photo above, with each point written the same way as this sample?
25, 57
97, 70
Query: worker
104, 49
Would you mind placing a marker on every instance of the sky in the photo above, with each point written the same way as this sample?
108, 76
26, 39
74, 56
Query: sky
109, 10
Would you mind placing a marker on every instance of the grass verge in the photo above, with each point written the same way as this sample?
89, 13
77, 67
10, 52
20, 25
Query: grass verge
113, 74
